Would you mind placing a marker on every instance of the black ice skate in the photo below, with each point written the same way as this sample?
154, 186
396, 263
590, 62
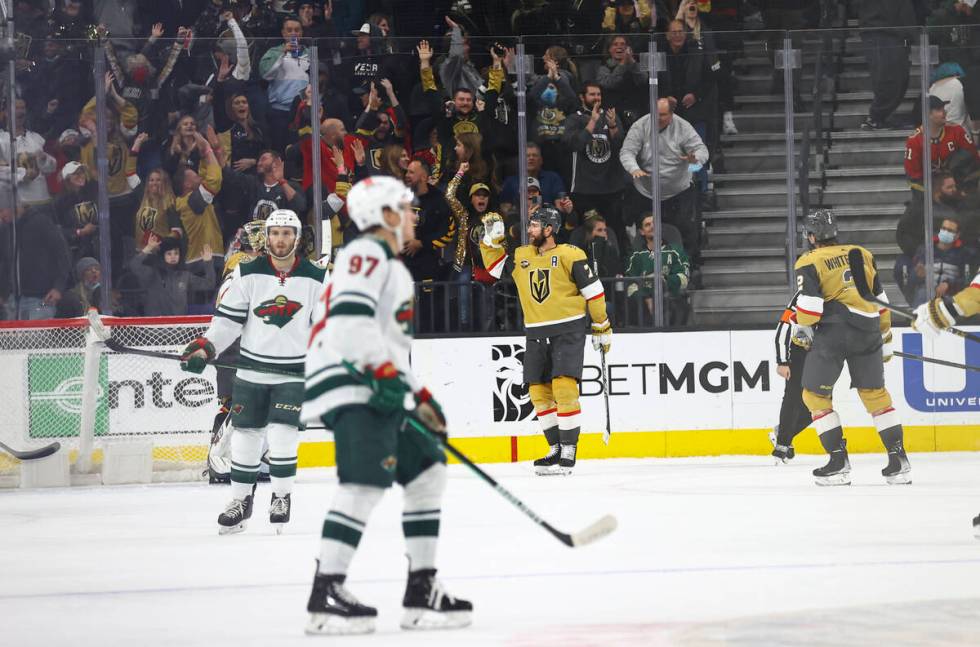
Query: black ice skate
236, 516
783, 454
976, 526
279, 512
566, 462
898, 471
837, 471
428, 606
334, 611
549, 464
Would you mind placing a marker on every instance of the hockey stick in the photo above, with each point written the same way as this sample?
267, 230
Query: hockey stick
593, 532
605, 397
856, 261
31, 454
106, 338
933, 360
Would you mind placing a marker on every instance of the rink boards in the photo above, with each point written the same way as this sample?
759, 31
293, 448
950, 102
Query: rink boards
670, 394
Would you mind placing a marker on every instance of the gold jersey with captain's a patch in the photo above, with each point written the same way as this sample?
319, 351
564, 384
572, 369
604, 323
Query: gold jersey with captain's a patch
828, 294
555, 287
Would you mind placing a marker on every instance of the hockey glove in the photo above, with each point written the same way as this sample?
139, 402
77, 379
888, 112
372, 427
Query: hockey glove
388, 389
803, 336
197, 355
886, 346
602, 336
429, 411
932, 317
493, 232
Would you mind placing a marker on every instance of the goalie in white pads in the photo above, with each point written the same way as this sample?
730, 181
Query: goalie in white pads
268, 302
357, 381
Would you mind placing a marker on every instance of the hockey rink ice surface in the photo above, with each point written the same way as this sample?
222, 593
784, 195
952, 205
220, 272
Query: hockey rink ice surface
709, 551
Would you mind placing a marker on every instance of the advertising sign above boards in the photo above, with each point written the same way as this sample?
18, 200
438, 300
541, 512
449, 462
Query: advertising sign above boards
686, 381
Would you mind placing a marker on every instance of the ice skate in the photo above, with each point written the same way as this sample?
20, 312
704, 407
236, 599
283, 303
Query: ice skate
548, 465
236, 516
334, 611
837, 471
428, 606
898, 471
279, 512
783, 454
976, 526
566, 462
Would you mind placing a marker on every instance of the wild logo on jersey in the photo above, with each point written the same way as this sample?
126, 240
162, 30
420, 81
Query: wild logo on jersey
405, 316
511, 401
540, 280
277, 311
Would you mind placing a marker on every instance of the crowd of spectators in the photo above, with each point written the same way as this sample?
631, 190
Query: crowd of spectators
208, 124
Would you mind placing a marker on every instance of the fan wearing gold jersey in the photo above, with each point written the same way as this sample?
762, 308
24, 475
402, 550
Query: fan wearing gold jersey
557, 288
848, 329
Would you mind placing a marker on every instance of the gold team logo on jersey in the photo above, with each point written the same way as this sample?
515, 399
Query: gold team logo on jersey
86, 213
540, 280
147, 217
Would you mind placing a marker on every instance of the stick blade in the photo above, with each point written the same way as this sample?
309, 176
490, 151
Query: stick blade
595, 531
856, 260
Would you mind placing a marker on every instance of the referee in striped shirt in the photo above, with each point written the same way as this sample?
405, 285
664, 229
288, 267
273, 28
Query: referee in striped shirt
792, 344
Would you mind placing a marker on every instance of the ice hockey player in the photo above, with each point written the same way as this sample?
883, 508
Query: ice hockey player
357, 381
935, 316
249, 242
793, 342
268, 303
557, 288
850, 330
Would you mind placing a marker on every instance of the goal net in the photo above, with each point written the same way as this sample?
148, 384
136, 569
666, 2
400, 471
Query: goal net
59, 383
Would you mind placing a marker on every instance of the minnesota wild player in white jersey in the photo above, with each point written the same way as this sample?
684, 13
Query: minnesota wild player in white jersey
268, 303
357, 381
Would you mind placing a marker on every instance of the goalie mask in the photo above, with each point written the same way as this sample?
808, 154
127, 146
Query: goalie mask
368, 199
251, 237
283, 218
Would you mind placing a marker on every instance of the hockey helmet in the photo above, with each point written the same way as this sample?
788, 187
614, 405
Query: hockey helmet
547, 215
283, 218
368, 199
821, 224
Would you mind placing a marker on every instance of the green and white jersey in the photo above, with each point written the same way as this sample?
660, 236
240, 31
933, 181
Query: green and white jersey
364, 318
272, 313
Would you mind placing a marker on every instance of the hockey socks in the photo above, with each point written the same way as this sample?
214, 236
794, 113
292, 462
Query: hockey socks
421, 516
246, 456
344, 525
837, 471
283, 446
892, 437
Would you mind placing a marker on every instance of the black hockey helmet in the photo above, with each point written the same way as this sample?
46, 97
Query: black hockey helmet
547, 215
822, 224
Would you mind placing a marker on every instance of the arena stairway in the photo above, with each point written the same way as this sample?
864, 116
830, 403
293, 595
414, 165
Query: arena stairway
859, 175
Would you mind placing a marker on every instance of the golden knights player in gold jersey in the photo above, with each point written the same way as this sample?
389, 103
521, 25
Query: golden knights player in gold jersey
936, 315
848, 329
557, 288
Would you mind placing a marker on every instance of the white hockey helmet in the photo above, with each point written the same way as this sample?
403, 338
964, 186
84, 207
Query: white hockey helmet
283, 218
368, 199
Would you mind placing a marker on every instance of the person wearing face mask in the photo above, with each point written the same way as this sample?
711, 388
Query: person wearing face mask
164, 280
552, 98
87, 291
950, 260
946, 203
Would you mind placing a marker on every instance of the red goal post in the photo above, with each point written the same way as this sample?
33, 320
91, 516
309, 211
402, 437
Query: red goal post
58, 382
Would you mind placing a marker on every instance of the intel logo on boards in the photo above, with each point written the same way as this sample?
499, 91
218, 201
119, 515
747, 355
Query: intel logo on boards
921, 399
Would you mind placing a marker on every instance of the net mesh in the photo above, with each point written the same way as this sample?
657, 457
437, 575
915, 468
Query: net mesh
42, 379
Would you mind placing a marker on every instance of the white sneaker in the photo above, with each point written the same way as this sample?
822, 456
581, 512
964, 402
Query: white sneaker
728, 123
